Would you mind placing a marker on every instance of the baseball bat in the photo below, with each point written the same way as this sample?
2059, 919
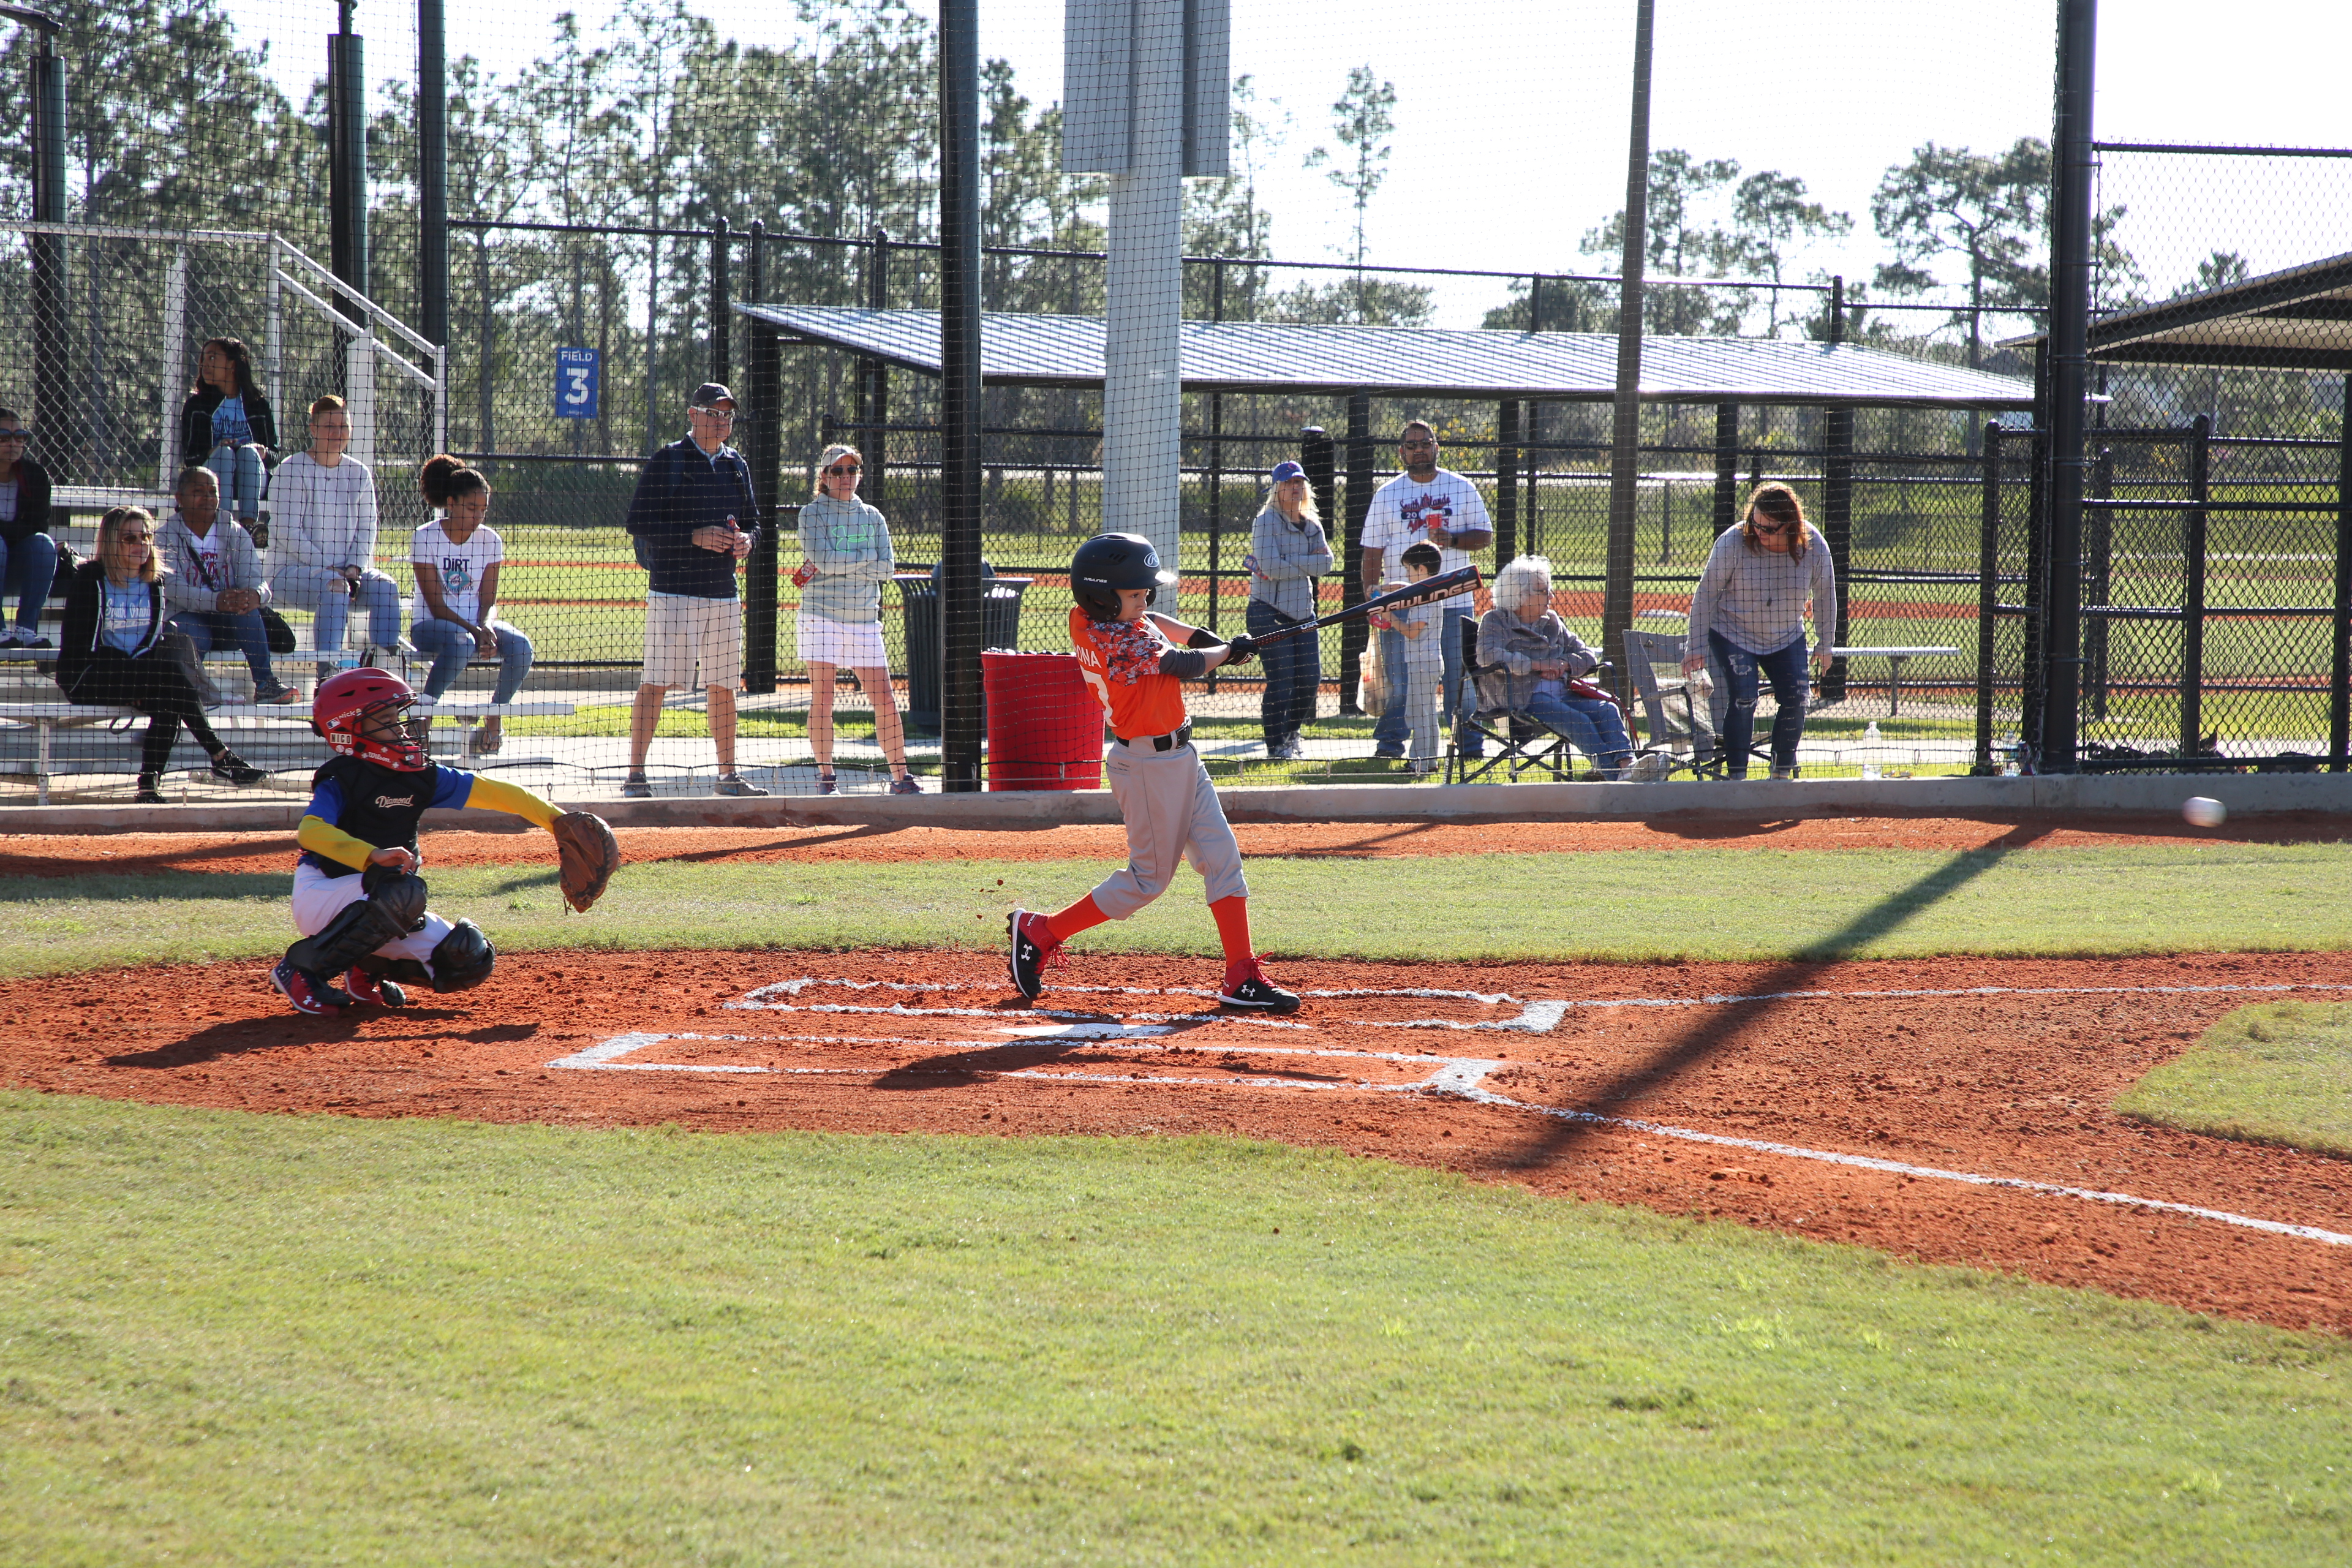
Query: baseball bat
1444, 586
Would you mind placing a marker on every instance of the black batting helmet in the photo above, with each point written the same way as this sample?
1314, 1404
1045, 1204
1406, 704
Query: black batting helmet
1110, 562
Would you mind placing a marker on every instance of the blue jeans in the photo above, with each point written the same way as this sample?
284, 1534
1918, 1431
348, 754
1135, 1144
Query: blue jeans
209, 629
1394, 727
1294, 669
242, 481
329, 598
28, 569
1591, 725
452, 645
1736, 672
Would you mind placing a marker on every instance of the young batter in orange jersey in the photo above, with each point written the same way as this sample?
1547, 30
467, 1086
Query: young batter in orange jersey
1136, 663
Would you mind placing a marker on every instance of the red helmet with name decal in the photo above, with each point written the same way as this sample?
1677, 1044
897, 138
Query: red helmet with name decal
347, 707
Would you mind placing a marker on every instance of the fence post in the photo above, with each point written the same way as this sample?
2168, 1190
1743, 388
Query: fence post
2192, 587
1354, 635
2073, 170
719, 310
53, 408
763, 444
486, 355
432, 177
874, 399
1507, 480
960, 177
1837, 528
1987, 595
2339, 666
175, 337
1727, 466
1216, 463
2098, 528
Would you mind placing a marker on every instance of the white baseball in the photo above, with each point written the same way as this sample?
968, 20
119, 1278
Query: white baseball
2203, 811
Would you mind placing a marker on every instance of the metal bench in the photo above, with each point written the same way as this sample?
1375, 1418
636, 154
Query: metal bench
45, 718
1894, 658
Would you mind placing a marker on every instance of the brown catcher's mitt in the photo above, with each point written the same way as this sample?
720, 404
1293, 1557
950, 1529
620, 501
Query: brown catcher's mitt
591, 854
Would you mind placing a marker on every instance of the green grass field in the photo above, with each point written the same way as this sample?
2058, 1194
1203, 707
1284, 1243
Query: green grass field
229, 1338
2278, 1072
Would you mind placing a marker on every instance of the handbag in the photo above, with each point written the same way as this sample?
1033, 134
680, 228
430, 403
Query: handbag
275, 628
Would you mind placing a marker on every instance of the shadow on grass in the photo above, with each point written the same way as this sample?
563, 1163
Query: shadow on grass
1712, 1029
110, 886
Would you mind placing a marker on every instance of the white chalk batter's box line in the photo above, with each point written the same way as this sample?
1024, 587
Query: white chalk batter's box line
1455, 1077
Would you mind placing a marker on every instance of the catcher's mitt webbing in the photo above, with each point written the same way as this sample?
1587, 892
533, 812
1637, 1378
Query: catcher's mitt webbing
590, 855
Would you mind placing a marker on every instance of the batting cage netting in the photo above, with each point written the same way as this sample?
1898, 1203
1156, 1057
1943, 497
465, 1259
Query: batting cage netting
1207, 241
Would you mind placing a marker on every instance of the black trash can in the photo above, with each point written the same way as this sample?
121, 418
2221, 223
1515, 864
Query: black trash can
918, 598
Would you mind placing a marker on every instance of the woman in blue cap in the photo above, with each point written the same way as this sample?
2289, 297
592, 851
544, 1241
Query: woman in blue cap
1287, 553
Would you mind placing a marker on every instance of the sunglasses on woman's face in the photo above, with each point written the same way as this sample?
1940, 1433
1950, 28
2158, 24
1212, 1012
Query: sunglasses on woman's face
15, 435
842, 470
1763, 527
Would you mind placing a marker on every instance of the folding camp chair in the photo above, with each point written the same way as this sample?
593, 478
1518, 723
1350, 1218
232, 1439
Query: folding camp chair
1514, 739
1686, 723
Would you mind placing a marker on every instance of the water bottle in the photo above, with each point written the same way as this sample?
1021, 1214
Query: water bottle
1870, 738
1870, 733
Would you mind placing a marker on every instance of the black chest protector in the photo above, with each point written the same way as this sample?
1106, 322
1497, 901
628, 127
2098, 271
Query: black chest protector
381, 805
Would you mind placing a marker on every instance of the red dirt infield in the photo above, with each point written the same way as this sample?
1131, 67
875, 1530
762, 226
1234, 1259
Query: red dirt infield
30, 855
1995, 1080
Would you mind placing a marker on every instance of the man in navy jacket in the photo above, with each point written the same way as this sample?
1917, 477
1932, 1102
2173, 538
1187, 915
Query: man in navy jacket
692, 521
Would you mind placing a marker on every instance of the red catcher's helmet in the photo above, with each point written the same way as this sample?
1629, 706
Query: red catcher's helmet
341, 711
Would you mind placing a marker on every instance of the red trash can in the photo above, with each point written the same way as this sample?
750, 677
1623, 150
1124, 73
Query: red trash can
1045, 727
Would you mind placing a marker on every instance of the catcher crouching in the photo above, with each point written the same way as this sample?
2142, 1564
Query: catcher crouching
358, 901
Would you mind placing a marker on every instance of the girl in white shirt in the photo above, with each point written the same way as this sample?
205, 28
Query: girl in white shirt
456, 558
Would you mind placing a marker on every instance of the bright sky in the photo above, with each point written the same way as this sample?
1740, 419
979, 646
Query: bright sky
1511, 114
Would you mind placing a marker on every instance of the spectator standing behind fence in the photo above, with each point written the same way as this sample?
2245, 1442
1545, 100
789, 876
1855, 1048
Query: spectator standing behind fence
113, 652
1425, 504
1747, 619
213, 584
455, 619
324, 515
692, 521
29, 556
846, 557
1537, 656
227, 425
1287, 553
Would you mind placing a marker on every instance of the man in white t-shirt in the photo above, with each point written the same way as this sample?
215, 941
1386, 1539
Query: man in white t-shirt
1425, 504
322, 537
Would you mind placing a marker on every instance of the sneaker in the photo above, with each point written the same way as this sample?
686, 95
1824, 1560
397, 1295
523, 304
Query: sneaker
736, 785
1254, 990
1389, 754
383, 993
36, 642
1649, 767
259, 528
907, 785
237, 770
1784, 772
11, 637
486, 742
827, 784
1034, 950
276, 694
637, 787
150, 791
308, 992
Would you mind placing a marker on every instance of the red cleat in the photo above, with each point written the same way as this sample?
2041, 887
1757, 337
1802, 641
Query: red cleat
307, 992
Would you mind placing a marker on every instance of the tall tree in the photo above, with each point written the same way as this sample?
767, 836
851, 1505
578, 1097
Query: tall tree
1684, 239
1991, 211
1773, 216
1361, 121
1223, 216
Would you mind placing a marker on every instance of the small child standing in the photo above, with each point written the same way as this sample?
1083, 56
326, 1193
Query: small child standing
1424, 659
1136, 663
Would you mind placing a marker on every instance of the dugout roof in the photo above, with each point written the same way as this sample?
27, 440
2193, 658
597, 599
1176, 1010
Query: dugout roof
2300, 319
1254, 356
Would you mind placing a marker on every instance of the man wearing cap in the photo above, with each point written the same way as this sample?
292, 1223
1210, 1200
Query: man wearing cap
692, 521
1287, 553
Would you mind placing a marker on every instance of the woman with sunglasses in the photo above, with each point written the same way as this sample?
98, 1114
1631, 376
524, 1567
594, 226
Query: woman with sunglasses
29, 556
846, 557
1746, 621
113, 653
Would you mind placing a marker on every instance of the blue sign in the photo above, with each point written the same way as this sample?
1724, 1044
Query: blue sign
576, 377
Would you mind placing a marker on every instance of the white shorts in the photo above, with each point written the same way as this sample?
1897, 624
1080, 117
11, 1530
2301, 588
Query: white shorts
824, 641
682, 631
319, 898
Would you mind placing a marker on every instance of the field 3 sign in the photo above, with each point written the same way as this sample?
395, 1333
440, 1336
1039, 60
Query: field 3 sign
576, 376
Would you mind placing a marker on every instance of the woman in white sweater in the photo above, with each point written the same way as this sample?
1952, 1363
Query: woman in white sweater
846, 557
322, 537
1747, 619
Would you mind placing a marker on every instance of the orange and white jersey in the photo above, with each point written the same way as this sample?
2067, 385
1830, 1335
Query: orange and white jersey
1121, 663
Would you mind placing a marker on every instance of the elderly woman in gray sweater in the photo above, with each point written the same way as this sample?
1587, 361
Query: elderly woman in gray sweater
846, 557
1526, 656
1747, 619
1288, 554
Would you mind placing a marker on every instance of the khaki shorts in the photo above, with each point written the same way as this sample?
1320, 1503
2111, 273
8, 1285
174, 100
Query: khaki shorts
682, 631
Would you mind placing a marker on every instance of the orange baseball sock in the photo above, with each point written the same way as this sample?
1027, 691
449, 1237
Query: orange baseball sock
1234, 933
1080, 916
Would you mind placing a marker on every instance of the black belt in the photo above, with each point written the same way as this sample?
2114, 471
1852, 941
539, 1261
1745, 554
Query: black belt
1182, 737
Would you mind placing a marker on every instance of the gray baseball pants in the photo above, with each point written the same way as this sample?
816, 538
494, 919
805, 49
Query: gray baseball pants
1172, 813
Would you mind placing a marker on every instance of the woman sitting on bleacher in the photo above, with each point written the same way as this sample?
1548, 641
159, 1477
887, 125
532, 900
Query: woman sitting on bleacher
227, 425
113, 654
1526, 656
29, 556
456, 558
